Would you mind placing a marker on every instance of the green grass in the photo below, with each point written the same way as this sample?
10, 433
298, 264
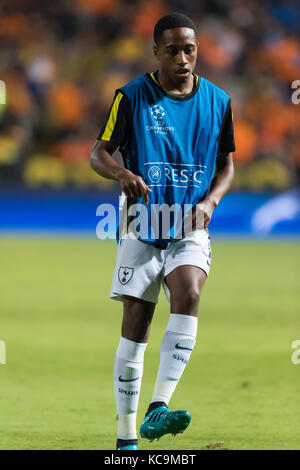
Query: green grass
61, 331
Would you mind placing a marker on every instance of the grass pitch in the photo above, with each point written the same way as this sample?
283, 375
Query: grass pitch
61, 331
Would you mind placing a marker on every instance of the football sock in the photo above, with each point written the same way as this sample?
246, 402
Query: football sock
128, 371
176, 348
155, 404
126, 442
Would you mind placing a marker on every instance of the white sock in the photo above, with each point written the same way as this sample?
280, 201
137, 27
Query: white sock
128, 371
176, 348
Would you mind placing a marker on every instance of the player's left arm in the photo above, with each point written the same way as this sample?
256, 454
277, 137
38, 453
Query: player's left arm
219, 187
224, 170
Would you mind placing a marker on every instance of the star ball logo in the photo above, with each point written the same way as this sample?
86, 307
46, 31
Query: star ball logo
159, 126
154, 174
157, 112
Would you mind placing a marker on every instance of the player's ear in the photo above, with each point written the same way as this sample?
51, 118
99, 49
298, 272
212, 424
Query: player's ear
155, 51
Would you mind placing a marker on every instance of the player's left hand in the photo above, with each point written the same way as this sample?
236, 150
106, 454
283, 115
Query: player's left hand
202, 214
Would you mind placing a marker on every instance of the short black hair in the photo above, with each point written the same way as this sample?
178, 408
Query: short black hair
173, 20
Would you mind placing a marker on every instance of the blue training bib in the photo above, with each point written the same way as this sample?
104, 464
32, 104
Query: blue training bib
174, 145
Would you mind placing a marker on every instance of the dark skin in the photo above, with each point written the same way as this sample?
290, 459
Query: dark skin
177, 55
175, 52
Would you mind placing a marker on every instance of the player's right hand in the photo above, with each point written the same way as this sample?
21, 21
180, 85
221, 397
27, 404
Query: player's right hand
134, 186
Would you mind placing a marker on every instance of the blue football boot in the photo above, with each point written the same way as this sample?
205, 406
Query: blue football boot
161, 420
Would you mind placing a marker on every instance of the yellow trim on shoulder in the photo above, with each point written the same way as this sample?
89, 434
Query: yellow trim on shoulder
153, 78
109, 128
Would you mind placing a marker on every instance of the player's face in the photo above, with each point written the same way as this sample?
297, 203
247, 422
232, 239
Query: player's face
177, 53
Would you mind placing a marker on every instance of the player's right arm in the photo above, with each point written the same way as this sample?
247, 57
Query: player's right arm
112, 135
103, 163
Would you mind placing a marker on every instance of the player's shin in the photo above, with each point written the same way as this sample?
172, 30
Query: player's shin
176, 348
128, 371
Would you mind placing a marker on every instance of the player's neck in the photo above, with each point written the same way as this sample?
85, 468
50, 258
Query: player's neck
175, 88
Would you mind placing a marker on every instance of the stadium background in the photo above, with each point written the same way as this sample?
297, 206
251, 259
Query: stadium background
61, 63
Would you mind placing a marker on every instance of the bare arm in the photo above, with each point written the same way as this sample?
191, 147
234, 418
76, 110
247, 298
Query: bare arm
222, 180
102, 163
219, 186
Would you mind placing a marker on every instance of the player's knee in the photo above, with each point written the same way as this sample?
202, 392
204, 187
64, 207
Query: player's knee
192, 297
188, 298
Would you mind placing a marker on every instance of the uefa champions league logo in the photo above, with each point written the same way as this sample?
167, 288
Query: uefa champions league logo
157, 112
159, 126
154, 174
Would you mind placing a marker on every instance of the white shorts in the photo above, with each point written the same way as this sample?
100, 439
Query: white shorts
141, 268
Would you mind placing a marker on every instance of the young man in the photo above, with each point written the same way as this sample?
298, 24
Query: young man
175, 132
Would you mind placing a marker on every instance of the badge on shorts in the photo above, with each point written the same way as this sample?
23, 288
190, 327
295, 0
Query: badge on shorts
125, 274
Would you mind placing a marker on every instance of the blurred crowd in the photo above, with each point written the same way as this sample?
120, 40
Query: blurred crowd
61, 62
